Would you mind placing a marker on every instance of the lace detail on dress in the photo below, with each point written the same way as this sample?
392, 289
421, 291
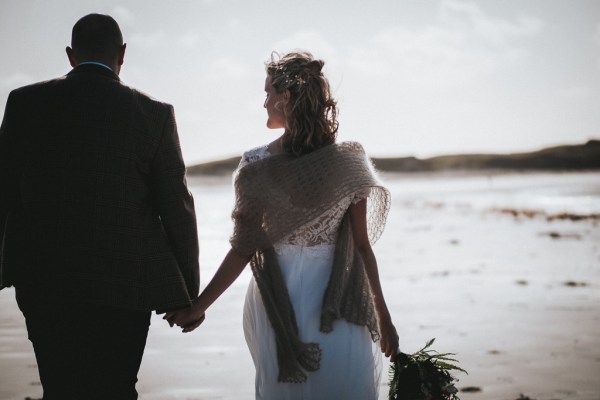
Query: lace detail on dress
321, 230
253, 155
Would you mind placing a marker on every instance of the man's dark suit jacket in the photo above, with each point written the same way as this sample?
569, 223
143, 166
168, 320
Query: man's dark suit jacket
94, 204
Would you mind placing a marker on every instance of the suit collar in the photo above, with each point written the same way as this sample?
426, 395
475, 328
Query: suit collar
93, 68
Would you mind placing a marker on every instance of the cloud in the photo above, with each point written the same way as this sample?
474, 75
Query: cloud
160, 39
464, 44
495, 31
578, 92
123, 15
305, 40
225, 68
189, 40
15, 80
597, 40
149, 40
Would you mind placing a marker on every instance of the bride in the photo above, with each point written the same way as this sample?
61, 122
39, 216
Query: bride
306, 212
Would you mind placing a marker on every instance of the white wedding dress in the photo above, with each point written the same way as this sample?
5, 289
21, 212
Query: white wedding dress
350, 361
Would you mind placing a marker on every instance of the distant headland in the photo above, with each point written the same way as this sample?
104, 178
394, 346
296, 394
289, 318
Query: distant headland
559, 158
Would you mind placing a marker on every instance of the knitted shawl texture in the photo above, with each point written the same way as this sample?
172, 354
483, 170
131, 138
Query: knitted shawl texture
276, 196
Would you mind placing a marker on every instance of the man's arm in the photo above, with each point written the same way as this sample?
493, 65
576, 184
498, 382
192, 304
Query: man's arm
11, 167
175, 203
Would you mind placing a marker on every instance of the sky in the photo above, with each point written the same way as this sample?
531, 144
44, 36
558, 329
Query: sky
411, 77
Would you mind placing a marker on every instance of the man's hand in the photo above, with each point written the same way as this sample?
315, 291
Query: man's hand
188, 319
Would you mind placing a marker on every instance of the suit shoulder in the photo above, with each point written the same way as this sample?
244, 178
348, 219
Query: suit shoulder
144, 98
34, 89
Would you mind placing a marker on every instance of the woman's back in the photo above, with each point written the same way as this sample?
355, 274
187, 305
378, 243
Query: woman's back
350, 365
321, 230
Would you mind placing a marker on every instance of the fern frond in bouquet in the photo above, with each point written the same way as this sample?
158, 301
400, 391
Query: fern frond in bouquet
423, 375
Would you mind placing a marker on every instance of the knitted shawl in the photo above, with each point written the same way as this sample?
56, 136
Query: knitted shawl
277, 195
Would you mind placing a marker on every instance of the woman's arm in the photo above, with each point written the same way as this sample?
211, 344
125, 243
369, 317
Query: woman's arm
189, 319
389, 337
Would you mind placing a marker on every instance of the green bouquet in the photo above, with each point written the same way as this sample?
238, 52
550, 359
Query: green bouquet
423, 375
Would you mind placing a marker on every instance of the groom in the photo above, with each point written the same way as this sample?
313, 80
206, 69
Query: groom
97, 224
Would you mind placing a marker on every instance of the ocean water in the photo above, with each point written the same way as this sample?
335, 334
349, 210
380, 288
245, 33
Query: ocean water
551, 193
422, 202
474, 193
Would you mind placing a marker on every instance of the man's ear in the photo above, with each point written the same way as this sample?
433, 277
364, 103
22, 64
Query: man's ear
71, 55
122, 53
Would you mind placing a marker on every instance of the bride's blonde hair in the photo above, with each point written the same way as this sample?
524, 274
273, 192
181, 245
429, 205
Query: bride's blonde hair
311, 112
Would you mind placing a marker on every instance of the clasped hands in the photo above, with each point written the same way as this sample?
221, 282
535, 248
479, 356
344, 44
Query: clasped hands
187, 318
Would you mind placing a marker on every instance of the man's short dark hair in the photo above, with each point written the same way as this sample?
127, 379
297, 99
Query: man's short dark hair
96, 36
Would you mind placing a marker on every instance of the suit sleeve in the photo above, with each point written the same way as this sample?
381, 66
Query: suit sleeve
12, 157
175, 203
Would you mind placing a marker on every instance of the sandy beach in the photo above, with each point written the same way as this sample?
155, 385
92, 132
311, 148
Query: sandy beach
516, 295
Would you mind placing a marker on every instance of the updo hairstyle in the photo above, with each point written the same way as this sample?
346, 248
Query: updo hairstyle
311, 112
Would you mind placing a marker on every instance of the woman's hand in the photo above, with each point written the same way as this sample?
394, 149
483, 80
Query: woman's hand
188, 318
389, 336
191, 318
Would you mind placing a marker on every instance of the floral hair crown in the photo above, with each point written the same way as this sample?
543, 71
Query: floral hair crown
290, 80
